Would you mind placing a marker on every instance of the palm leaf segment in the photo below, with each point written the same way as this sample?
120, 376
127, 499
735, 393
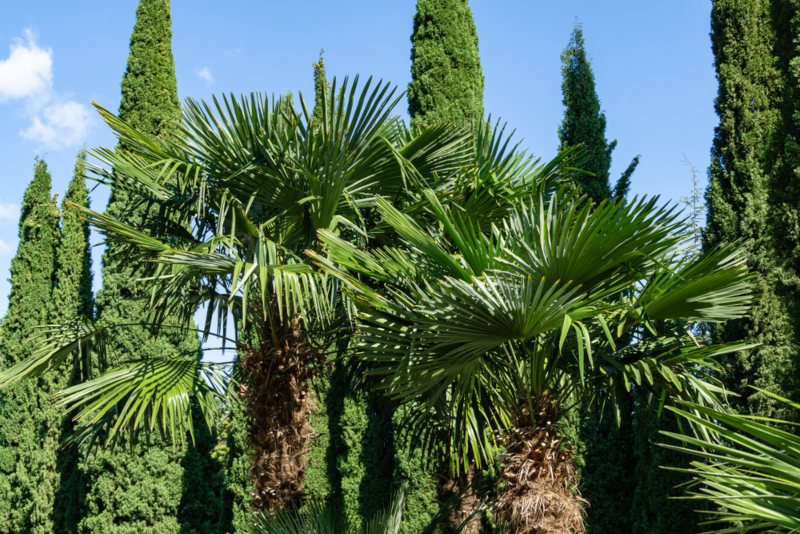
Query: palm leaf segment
477, 328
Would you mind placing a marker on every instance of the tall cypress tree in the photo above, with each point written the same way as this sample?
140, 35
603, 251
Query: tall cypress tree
605, 446
72, 299
446, 75
785, 189
30, 426
446, 87
745, 183
145, 487
584, 124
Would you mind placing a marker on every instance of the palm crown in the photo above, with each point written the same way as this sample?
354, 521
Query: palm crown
491, 334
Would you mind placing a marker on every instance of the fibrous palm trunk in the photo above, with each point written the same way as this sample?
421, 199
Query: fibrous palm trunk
277, 376
464, 518
540, 483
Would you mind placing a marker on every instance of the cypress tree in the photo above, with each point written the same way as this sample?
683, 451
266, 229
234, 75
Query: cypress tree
584, 124
607, 448
446, 75
785, 189
30, 426
72, 299
321, 471
144, 487
446, 87
745, 185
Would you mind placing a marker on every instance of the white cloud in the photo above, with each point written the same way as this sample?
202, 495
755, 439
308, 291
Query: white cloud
204, 74
27, 74
5, 248
28, 71
9, 211
59, 125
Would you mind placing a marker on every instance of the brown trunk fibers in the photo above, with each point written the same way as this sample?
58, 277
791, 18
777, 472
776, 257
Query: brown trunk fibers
276, 392
539, 494
468, 504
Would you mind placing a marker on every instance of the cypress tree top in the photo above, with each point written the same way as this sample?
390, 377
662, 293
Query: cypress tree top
446, 76
584, 122
72, 294
149, 88
320, 87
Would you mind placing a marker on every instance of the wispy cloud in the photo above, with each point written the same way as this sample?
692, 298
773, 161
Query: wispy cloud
26, 76
204, 73
59, 125
9, 211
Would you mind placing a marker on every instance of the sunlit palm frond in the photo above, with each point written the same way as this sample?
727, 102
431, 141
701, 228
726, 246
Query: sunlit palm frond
58, 343
155, 395
748, 467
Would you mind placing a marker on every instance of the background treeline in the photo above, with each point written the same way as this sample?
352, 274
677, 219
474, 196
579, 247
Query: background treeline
356, 457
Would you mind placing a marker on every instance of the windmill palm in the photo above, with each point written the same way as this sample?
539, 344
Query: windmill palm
489, 333
234, 198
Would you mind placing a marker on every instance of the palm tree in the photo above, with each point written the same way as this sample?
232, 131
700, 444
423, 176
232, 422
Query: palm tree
234, 198
489, 333
748, 466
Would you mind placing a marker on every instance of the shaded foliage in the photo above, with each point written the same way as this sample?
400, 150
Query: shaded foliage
72, 299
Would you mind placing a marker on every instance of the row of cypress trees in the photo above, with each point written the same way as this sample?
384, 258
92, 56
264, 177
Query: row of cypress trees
160, 489
51, 281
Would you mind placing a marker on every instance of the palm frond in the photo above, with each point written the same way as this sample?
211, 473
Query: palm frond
749, 468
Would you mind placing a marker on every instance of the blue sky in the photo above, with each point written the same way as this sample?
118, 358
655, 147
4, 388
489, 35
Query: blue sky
652, 61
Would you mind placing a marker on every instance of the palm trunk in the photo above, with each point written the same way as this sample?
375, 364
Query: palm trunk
539, 494
459, 519
276, 391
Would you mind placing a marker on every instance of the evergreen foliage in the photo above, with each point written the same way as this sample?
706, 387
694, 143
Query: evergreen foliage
605, 450
352, 459
321, 471
751, 188
584, 124
141, 488
446, 87
72, 299
320, 87
30, 423
446, 75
